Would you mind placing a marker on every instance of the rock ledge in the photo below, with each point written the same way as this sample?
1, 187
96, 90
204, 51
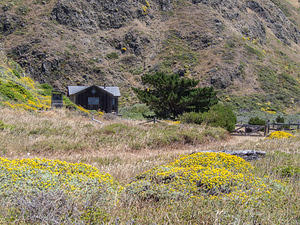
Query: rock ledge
245, 154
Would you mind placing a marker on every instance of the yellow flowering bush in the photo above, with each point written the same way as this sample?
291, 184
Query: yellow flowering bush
33, 175
280, 134
200, 175
21, 92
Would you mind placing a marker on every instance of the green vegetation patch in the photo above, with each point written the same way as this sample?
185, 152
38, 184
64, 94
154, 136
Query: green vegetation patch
254, 51
256, 121
14, 91
176, 51
136, 111
112, 55
282, 88
218, 116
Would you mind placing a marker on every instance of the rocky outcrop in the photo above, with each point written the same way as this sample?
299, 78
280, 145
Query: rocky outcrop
252, 24
248, 155
223, 77
44, 66
92, 15
9, 23
276, 20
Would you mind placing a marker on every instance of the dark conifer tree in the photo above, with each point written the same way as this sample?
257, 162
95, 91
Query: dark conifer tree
171, 95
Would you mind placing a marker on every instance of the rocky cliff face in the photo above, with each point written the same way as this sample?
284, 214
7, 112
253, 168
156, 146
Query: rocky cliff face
234, 45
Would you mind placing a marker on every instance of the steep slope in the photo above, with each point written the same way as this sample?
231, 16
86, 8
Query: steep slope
18, 90
249, 50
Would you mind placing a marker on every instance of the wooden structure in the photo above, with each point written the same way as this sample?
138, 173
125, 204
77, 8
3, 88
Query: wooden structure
282, 126
56, 99
263, 130
95, 97
249, 130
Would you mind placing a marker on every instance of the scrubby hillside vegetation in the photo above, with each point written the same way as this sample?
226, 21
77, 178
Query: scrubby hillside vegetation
125, 172
73, 166
249, 50
18, 90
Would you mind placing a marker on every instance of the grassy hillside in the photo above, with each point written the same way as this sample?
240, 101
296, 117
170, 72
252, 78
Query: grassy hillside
18, 90
248, 50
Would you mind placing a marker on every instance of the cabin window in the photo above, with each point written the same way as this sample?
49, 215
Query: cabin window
93, 100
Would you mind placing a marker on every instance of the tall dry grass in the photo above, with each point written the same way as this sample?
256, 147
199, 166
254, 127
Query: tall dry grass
109, 146
118, 143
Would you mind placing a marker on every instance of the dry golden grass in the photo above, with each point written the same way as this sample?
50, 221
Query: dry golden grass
122, 148
68, 136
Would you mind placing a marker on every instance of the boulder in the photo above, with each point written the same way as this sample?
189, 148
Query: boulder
248, 155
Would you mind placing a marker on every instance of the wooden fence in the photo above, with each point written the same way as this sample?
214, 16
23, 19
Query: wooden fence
263, 130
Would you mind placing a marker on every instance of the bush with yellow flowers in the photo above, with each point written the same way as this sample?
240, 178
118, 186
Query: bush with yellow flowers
200, 175
280, 134
42, 191
33, 175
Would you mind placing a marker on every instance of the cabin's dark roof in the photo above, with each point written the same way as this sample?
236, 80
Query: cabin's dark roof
112, 90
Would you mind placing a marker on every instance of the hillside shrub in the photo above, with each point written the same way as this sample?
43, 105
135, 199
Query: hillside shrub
2, 125
200, 175
279, 135
34, 175
14, 91
191, 117
256, 121
288, 171
220, 116
112, 55
46, 89
136, 111
42, 191
279, 119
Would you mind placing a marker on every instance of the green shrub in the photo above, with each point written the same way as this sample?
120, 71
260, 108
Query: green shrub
256, 121
137, 111
112, 55
191, 117
2, 125
16, 73
220, 116
288, 171
14, 91
279, 119
68, 103
253, 51
46, 89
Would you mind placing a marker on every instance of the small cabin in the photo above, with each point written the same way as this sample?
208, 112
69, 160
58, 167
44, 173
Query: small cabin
95, 97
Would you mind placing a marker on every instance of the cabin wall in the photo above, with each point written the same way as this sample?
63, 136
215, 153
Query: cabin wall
105, 100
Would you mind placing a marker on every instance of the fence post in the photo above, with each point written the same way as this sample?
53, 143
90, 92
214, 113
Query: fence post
267, 129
